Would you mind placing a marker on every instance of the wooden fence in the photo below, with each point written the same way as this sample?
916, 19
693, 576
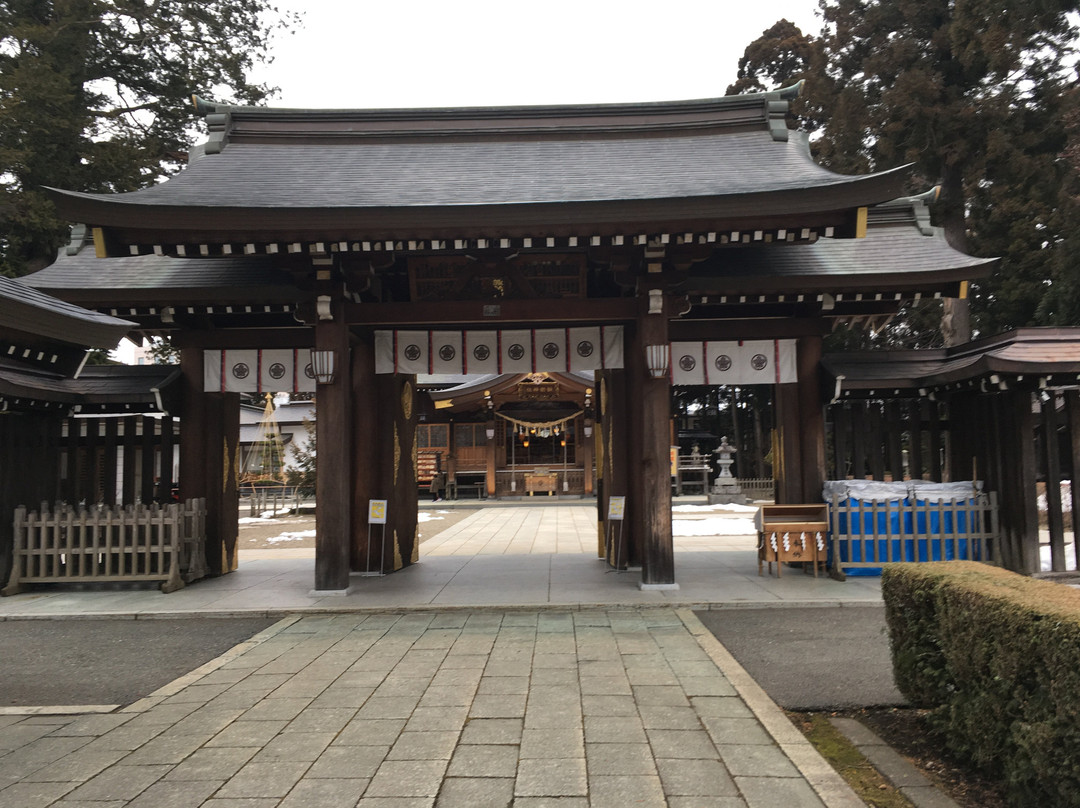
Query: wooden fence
758, 488
97, 544
867, 534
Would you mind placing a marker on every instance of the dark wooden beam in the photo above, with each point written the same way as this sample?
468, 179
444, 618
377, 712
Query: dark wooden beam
695, 329
493, 313
299, 337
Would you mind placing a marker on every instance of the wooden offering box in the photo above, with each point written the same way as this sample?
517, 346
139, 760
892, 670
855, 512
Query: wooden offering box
792, 533
541, 480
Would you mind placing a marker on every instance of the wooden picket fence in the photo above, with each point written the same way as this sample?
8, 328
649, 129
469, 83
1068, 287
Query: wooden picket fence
867, 534
63, 544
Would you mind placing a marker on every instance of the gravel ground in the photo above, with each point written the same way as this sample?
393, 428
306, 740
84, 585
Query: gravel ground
298, 532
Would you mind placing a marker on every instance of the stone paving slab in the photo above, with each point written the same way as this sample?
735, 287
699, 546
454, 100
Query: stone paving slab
436, 709
497, 557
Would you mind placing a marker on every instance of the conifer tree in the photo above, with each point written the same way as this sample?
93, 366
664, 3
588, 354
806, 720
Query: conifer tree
95, 96
979, 97
972, 94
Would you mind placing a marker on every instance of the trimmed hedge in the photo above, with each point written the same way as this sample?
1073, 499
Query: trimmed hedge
995, 657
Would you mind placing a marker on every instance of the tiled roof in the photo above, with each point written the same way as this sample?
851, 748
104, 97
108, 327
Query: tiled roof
382, 175
26, 309
102, 388
1030, 353
519, 166
82, 275
895, 251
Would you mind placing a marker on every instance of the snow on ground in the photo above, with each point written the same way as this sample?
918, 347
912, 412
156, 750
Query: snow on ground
266, 517
427, 516
1044, 553
298, 536
732, 508
717, 526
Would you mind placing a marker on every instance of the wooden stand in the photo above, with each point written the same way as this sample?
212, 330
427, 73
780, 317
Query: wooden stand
792, 533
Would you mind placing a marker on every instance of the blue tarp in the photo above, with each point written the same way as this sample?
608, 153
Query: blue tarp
902, 515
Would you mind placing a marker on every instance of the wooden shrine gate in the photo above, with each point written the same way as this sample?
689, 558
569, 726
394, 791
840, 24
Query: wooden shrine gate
300, 231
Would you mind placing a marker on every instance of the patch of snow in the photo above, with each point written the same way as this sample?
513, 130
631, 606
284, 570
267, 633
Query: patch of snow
713, 527
424, 516
298, 536
731, 508
1045, 563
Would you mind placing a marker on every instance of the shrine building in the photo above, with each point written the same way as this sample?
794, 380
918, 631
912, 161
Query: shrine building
559, 268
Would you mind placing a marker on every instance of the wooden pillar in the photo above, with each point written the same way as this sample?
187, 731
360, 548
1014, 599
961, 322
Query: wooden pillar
209, 459
165, 470
614, 457
1019, 511
333, 490
489, 456
130, 427
147, 445
787, 453
1052, 468
651, 413
368, 466
937, 460
811, 418
223, 473
1072, 407
841, 421
915, 438
397, 437
584, 449
29, 475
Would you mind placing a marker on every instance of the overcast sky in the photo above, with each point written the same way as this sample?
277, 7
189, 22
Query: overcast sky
431, 53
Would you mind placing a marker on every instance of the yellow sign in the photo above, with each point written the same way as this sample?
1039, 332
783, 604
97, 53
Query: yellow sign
674, 451
616, 508
376, 511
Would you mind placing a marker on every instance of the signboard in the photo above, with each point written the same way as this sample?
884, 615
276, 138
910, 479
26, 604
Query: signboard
674, 451
376, 511
616, 508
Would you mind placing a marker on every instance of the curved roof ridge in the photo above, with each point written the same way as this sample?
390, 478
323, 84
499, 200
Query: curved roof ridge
207, 107
228, 124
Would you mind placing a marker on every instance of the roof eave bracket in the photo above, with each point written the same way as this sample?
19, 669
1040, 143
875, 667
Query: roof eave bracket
777, 114
218, 124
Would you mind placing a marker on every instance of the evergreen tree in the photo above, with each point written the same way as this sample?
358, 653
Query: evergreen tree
302, 476
972, 94
95, 96
978, 96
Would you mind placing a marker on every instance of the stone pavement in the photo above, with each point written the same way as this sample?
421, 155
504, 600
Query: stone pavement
508, 668
511, 556
576, 709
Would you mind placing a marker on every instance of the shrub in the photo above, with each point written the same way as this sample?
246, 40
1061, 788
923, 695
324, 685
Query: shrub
995, 656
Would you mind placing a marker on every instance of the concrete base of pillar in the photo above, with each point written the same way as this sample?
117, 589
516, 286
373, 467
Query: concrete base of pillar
651, 587
329, 593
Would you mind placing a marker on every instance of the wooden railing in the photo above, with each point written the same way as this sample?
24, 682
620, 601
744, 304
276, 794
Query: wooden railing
275, 498
867, 534
136, 543
760, 488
